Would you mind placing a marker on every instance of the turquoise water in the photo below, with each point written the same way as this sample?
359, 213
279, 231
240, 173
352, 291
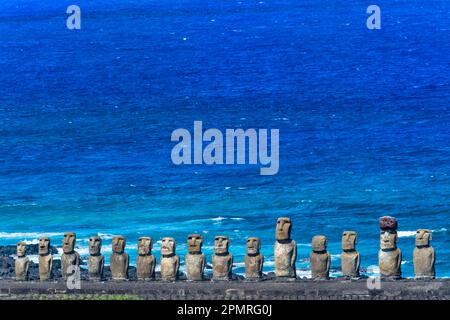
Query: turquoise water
363, 115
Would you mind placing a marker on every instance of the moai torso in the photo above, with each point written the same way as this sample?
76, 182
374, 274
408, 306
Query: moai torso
95, 267
320, 259
169, 262
119, 263
45, 267
424, 256
350, 260
285, 256
195, 265
254, 259
389, 256
119, 259
350, 264
195, 260
96, 260
68, 261
169, 267
222, 259
145, 267
145, 262
22, 262
390, 263
253, 266
45, 259
222, 266
22, 265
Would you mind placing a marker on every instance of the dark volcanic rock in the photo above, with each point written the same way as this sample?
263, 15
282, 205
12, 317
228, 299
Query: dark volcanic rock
31, 250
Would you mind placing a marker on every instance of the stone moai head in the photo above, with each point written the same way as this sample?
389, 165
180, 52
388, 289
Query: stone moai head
221, 245
44, 246
118, 244
253, 246
284, 226
69, 242
319, 243
388, 234
195, 242
168, 246
349, 240
21, 249
423, 237
145, 245
95, 245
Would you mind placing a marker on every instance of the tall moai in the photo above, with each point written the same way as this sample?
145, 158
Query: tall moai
424, 256
70, 259
169, 261
389, 256
254, 260
285, 250
145, 262
119, 260
222, 259
195, 260
320, 259
96, 261
350, 259
22, 262
45, 259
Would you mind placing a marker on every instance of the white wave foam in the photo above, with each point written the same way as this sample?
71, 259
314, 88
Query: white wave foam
405, 234
27, 235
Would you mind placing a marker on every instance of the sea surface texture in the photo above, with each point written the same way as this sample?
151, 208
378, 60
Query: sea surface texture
364, 120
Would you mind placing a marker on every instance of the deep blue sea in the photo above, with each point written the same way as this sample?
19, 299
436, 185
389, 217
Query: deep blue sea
364, 119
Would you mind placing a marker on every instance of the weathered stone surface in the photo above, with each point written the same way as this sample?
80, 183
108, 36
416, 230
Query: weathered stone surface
424, 255
22, 263
96, 261
222, 259
195, 260
145, 262
320, 258
45, 259
119, 260
389, 256
70, 259
285, 250
254, 260
350, 259
169, 262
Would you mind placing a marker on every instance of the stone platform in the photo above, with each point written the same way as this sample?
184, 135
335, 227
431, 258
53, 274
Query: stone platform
335, 289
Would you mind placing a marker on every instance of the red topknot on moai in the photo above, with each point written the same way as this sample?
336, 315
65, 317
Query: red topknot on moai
388, 223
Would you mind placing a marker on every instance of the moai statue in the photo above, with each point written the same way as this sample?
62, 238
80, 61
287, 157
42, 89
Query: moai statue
45, 259
70, 259
285, 250
195, 260
320, 259
169, 261
254, 260
145, 263
22, 262
119, 259
96, 259
424, 256
222, 259
389, 256
350, 259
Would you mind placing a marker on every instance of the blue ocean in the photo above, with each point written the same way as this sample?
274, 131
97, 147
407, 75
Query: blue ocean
364, 119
